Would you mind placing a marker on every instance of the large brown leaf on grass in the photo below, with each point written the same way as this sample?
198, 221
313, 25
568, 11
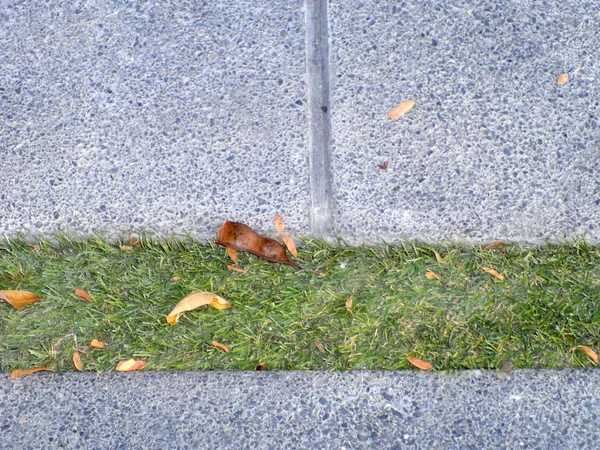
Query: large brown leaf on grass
18, 299
194, 300
20, 372
242, 238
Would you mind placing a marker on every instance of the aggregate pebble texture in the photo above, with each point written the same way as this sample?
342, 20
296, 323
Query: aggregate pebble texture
162, 117
494, 148
555, 409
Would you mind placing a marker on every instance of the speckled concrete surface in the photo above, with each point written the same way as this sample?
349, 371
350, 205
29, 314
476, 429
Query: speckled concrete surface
293, 410
494, 148
166, 117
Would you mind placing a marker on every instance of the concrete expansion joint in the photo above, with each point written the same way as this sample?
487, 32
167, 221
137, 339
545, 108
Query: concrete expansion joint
319, 123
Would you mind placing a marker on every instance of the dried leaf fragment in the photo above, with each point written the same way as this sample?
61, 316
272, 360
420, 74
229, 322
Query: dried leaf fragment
221, 346
83, 294
134, 241
236, 269
20, 372
433, 276
96, 344
384, 165
130, 365
289, 243
77, 363
504, 369
401, 109
233, 255
423, 365
320, 346
194, 300
562, 78
494, 273
349, 306
494, 245
260, 367
279, 225
18, 299
588, 351
125, 248
176, 278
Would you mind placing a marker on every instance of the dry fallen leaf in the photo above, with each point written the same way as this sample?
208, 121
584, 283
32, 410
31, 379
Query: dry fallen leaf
438, 257
83, 294
233, 255
349, 306
130, 365
494, 273
236, 269
20, 372
279, 225
320, 346
18, 299
260, 367
433, 276
176, 278
423, 365
504, 369
494, 246
289, 243
591, 353
77, 361
384, 165
192, 301
401, 109
126, 248
96, 344
221, 346
562, 78
134, 241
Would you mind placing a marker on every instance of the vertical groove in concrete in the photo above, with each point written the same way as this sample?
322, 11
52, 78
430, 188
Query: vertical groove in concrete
317, 66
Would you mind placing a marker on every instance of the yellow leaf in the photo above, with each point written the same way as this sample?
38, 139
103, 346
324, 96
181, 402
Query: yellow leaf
433, 276
18, 299
233, 255
591, 353
83, 294
494, 245
236, 269
221, 346
349, 305
96, 344
130, 365
192, 301
494, 273
423, 365
562, 78
20, 372
401, 109
279, 225
289, 243
77, 361
126, 248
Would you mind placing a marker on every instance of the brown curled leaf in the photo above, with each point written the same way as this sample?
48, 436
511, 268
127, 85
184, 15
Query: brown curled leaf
20, 372
588, 351
221, 346
384, 165
279, 225
83, 294
242, 238
289, 243
401, 109
194, 300
423, 365
77, 363
130, 365
494, 273
19, 299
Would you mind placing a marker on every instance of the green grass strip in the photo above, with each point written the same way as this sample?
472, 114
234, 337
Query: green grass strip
548, 303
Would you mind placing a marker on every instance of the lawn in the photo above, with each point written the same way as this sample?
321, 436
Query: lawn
372, 309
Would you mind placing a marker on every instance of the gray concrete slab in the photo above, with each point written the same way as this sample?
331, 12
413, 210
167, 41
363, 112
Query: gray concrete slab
164, 117
494, 148
556, 409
